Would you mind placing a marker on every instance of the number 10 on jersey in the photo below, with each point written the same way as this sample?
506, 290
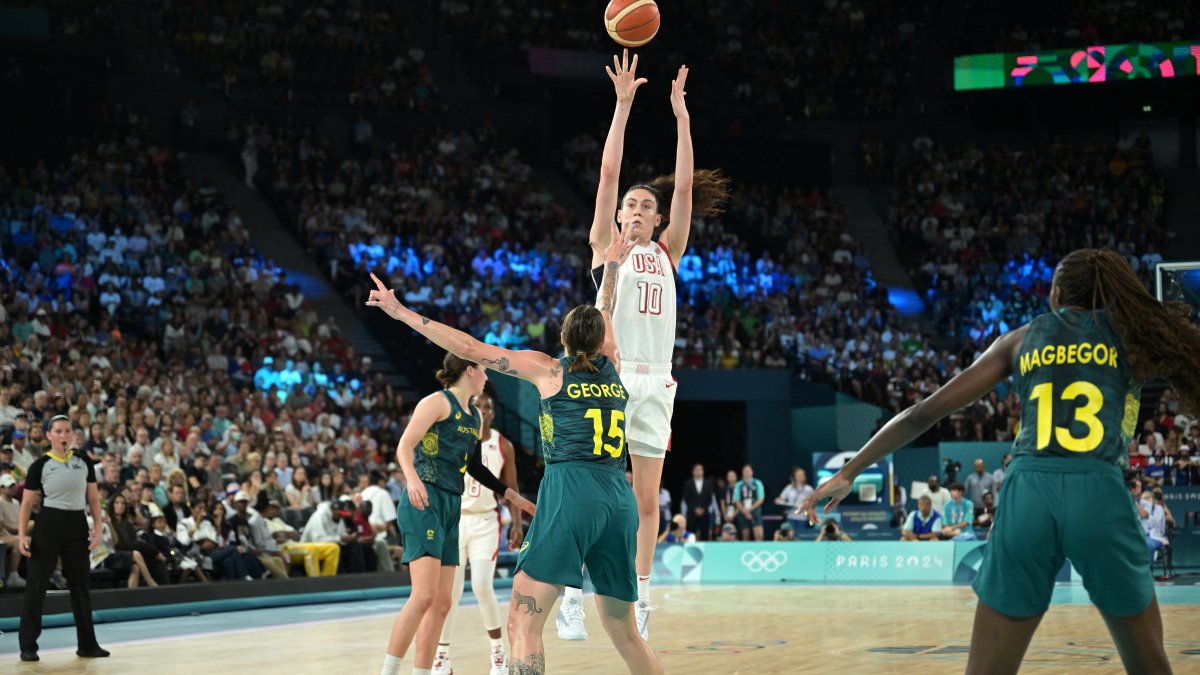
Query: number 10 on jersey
649, 297
616, 430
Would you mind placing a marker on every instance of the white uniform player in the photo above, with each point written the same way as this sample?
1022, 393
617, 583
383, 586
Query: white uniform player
644, 324
479, 544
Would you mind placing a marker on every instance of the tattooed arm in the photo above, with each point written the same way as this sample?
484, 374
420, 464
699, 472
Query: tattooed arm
606, 300
541, 369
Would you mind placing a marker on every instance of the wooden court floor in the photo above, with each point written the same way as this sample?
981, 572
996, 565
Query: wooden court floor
750, 629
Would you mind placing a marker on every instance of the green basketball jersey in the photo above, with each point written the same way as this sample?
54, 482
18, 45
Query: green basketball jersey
1077, 390
441, 457
585, 420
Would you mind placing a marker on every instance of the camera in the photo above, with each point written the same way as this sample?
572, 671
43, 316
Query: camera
952, 468
829, 529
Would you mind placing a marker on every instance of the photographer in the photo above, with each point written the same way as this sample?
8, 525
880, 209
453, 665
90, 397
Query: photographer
677, 532
353, 558
830, 531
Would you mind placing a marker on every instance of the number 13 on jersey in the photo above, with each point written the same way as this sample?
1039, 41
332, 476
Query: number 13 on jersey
616, 430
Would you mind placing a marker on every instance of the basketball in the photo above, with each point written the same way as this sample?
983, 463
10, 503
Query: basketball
632, 23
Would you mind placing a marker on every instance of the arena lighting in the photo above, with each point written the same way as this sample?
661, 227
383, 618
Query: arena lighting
1085, 65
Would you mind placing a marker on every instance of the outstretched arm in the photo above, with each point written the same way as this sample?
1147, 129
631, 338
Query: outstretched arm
966, 387
540, 369
626, 82
612, 256
675, 236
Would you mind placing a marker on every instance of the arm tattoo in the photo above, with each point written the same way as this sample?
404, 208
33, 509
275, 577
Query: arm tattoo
424, 321
536, 665
500, 365
526, 602
606, 301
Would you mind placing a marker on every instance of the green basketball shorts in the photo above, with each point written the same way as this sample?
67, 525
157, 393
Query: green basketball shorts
433, 531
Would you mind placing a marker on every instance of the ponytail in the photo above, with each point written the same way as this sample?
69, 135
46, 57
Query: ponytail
710, 191
1159, 338
582, 364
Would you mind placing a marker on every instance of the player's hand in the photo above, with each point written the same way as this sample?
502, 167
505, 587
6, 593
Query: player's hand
520, 502
417, 496
384, 298
836, 489
624, 77
94, 540
516, 535
678, 105
23, 546
618, 247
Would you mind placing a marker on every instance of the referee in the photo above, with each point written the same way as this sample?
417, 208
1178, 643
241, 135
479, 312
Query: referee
64, 481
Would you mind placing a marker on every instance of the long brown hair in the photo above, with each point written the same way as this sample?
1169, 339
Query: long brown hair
452, 369
710, 191
1159, 338
583, 333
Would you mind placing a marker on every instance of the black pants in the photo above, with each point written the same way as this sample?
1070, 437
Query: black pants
58, 533
352, 559
699, 524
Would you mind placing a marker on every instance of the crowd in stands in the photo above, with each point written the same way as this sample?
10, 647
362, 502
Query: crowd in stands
984, 226
783, 60
192, 370
1102, 23
307, 52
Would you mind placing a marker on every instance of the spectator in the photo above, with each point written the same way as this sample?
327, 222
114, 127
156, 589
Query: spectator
319, 559
677, 532
300, 494
924, 524
793, 496
831, 531
729, 506
233, 553
1153, 518
979, 482
998, 474
749, 495
937, 496
985, 514
697, 503
959, 516
254, 535
395, 484
382, 518
729, 532
784, 533
9, 514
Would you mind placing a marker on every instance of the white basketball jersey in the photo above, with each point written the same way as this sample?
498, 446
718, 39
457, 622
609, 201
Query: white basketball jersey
476, 498
644, 317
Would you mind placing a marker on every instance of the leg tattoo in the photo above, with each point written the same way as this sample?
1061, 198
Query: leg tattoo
536, 665
526, 602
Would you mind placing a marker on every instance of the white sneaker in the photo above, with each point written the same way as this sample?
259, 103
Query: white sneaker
58, 580
643, 609
570, 620
441, 662
499, 663
15, 581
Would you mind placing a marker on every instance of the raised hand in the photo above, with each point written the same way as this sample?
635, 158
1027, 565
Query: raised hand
624, 77
678, 104
618, 247
384, 298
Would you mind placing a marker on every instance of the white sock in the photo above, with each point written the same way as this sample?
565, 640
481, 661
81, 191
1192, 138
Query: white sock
422, 671
643, 584
573, 593
443, 647
497, 644
391, 665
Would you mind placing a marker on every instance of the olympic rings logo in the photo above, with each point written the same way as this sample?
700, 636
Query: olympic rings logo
764, 561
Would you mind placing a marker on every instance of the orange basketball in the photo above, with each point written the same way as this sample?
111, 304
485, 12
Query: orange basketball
632, 23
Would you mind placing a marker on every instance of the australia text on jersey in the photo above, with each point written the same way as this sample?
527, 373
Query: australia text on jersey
1084, 353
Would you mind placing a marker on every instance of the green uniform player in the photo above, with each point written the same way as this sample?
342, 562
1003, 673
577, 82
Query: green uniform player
438, 448
440, 461
1080, 408
1077, 372
587, 511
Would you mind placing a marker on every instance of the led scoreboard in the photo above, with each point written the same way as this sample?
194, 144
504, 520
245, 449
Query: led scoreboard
1084, 65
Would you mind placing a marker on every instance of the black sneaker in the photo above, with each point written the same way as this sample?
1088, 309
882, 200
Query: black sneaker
94, 653
30, 656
